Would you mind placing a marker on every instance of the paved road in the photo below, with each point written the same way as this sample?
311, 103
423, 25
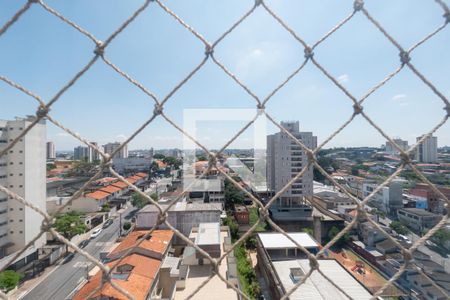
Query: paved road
65, 278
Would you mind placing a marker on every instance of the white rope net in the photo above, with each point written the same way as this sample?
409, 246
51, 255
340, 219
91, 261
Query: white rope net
100, 56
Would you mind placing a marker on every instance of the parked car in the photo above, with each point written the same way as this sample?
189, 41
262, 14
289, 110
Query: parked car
107, 223
69, 256
95, 233
83, 243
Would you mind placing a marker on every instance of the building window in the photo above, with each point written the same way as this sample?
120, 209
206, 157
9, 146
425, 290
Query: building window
11, 186
20, 174
11, 151
20, 220
20, 151
11, 232
21, 208
20, 163
21, 231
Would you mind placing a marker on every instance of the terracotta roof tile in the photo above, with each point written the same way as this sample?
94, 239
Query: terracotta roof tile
159, 241
120, 184
98, 195
138, 283
141, 174
110, 189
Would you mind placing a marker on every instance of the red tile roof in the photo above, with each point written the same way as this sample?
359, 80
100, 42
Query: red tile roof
120, 184
138, 283
159, 241
131, 180
110, 189
98, 195
141, 174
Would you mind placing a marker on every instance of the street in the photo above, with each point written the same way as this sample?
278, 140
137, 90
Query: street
64, 279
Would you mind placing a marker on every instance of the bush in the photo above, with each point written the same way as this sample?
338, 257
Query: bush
126, 226
70, 224
399, 227
9, 279
234, 227
247, 275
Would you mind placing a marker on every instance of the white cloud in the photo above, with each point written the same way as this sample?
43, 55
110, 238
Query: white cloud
343, 78
121, 137
399, 97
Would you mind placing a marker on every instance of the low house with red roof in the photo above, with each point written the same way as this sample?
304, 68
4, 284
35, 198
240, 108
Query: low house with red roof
138, 264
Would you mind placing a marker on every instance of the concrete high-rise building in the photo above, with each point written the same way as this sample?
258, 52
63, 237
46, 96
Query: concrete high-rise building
51, 153
394, 151
427, 150
111, 147
81, 153
93, 154
285, 159
22, 171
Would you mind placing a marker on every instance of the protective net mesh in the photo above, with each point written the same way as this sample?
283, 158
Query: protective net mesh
100, 56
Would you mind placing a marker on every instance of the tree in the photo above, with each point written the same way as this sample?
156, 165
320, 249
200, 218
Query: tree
172, 161
9, 279
139, 201
158, 156
335, 231
234, 227
355, 171
126, 226
309, 231
399, 227
442, 236
233, 195
70, 224
106, 208
51, 167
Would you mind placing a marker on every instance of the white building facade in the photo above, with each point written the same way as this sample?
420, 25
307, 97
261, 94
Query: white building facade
51, 153
426, 151
111, 147
393, 150
285, 159
22, 171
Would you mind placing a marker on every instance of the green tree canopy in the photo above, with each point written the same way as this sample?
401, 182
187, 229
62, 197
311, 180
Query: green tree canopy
399, 227
70, 224
9, 279
140, 201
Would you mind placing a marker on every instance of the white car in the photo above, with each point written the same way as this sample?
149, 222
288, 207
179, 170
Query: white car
95, 233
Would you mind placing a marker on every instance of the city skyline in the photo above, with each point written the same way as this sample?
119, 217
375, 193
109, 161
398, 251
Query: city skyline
262, 57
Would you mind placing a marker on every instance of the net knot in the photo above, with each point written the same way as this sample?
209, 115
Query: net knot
308, 52
99, 49
358, 5
357, 109
209, 50
404, 57
42, 111
258, 2
158, 109
447, 109
447, 17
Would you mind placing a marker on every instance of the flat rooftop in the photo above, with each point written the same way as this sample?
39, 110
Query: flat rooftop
215, 288
208, 234
317, 287
185, 206
275, 240
419, 212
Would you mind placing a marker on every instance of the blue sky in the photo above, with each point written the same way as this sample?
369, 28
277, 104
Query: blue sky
42, 53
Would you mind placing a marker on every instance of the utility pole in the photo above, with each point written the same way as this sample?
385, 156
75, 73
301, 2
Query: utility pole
120, 224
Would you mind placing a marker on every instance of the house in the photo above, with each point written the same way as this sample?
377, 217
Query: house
195, 269
241, 214
418, 219
138, 270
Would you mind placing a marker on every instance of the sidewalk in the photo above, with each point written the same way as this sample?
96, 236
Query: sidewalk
30, 284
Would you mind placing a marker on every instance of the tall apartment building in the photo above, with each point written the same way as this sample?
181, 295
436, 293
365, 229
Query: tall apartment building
22, 171
81, 153
93, 154
392, 150
285, 159
51, 153
111, 147
427, 150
